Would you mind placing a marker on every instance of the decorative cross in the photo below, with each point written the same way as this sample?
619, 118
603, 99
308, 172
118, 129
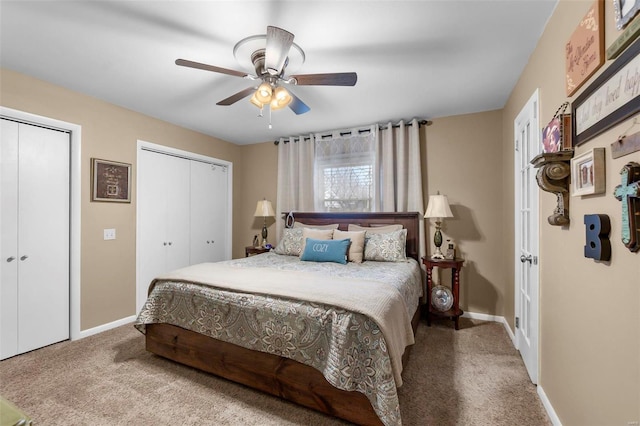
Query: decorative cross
629, 194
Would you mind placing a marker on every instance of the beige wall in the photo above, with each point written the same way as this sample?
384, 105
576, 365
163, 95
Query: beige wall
108, 268
461, 162
259, 181
589, 311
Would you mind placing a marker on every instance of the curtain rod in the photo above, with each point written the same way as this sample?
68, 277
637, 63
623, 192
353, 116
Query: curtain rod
380, 127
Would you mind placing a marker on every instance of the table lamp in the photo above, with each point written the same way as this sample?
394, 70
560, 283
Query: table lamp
264, 210
438, 208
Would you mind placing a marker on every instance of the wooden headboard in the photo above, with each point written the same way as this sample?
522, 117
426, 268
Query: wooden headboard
409, 220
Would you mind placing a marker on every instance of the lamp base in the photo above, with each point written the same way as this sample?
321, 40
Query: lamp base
264, 233
438, 254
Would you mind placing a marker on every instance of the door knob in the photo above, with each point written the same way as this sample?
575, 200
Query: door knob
11, 259
25, 257
525, 259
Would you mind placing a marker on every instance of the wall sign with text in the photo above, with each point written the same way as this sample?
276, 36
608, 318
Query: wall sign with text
614, 96
584, 52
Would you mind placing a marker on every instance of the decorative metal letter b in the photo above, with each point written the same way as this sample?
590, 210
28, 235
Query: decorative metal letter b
597, 228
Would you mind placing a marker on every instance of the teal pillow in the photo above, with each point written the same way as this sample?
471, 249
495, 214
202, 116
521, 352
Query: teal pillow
326, 250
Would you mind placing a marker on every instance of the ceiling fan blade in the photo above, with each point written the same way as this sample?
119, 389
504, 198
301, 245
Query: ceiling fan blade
198, 65
235, 98
279, 42
332, 79
297, 105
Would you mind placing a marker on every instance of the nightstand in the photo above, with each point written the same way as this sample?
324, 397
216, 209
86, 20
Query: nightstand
455, 265
251, 250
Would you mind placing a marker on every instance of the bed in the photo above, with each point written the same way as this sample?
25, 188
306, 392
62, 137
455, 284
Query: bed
286, 333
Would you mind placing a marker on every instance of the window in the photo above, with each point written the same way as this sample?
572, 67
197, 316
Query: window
344, 173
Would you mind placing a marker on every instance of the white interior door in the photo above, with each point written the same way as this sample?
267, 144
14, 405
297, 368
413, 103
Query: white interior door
208, 212
35, 210
177, 183
527, 146
163, 206
184, 200
43, 237
8, 238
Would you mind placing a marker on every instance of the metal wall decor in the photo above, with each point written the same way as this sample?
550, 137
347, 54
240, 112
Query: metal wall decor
597, 245
629, 193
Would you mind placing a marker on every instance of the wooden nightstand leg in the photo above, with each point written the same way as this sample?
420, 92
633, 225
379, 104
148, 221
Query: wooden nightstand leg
457, 326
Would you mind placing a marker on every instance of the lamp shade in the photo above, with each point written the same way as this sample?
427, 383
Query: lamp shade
264, 209
438, 207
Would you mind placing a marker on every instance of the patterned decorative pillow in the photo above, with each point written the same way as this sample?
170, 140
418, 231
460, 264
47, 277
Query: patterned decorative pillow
356, 249
326, 250
291, 242
387, 247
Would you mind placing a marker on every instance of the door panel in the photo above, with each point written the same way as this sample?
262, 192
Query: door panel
43, 237
208, 212
152, 236
526, 267
178, 212
8, 238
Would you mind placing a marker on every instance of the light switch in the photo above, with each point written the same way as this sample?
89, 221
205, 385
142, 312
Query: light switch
110, 234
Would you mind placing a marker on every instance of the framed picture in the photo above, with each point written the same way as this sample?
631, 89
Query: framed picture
625, 10
110, 181
587, 173
609, 99
584, 51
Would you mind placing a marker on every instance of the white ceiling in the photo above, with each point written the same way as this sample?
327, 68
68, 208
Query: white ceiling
423, 59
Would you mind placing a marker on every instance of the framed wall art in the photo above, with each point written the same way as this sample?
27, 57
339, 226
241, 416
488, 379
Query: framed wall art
587, 173
625, 10
611, 98
584, 52
111, 181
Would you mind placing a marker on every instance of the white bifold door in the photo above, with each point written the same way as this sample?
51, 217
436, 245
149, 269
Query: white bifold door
34, 240
182, 215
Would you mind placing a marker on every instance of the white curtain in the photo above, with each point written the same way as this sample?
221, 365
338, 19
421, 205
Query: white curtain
397, 174
399, 165
295, 178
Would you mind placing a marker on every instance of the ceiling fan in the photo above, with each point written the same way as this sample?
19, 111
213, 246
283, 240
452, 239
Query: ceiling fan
270, 55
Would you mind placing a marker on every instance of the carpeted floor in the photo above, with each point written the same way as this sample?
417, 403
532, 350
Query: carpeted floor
473, 376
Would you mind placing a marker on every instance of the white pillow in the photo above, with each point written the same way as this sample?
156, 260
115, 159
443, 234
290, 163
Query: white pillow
303, 225
375, 229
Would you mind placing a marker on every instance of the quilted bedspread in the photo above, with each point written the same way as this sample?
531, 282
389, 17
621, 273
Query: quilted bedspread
326, 315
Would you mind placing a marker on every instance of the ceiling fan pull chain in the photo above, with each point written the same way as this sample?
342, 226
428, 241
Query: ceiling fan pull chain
270, 126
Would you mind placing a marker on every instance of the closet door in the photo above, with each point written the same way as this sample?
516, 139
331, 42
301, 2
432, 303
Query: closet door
178, 207
34, 216
43, 237
208, 212
163, 213
8, 239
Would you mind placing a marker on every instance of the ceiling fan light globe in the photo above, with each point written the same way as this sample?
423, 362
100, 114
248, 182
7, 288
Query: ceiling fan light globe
281, 98
282, 95
254, 100
264, 92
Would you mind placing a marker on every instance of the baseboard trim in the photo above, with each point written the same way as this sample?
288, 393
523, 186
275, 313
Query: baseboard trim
105, 327
494, 318
555, 420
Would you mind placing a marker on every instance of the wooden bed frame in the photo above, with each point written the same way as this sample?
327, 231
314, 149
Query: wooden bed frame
283, 377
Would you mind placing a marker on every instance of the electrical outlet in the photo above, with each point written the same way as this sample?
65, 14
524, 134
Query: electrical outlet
110, 234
